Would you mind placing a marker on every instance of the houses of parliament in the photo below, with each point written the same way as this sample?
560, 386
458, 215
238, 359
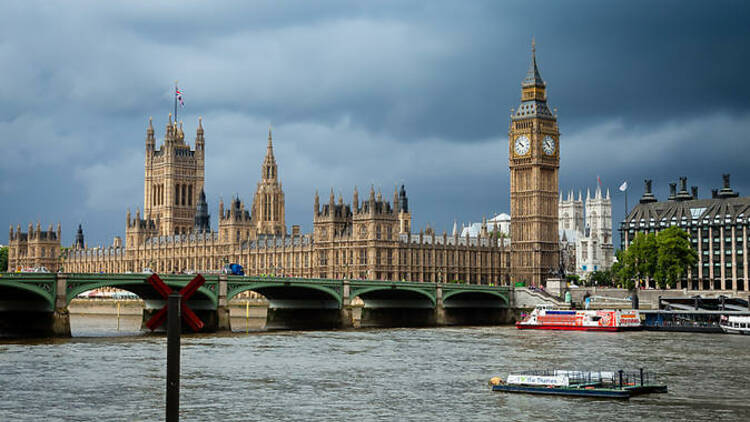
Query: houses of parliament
369, 237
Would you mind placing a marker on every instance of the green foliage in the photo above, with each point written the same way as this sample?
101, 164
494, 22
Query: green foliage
573, 278
674, 257
601, 278
4, 259
663, 257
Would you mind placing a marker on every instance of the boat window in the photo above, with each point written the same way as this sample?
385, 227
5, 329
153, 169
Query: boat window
596, 318
743, 325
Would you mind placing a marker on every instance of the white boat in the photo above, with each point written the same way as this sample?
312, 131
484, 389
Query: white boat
545, 317
735, 324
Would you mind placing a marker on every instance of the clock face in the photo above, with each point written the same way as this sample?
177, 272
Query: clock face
548, 145
522, 145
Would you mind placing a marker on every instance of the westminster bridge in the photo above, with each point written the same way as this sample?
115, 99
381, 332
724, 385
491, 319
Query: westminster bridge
36, 304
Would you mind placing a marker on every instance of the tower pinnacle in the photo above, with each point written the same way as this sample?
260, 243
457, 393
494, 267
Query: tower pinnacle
533, 78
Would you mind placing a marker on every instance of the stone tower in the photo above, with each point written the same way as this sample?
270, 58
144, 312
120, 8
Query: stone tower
268, 204
173, 178
599, 216
570, 213
534, 154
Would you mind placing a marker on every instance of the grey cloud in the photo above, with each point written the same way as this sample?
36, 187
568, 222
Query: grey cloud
362, 93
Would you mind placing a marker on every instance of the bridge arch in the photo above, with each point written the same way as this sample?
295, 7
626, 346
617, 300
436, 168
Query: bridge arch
36, 290
363, 291
276, 289
136, 285
497, 294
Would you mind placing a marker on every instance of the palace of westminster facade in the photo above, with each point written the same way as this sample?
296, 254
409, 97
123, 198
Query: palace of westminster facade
369, 238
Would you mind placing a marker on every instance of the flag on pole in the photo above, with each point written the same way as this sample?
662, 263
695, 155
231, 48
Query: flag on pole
624, 186
178, 95
599, 181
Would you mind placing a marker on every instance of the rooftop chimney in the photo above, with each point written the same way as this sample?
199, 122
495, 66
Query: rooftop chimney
726, 191
648, 196
683, 194
694, 190
672, 191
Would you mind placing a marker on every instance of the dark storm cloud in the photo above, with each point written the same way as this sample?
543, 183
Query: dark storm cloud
363, 93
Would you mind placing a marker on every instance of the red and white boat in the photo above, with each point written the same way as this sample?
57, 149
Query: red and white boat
544, 317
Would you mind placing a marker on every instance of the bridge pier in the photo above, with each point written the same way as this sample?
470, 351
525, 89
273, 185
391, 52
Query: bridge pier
61, 315
346, 314
222, 310
440, 316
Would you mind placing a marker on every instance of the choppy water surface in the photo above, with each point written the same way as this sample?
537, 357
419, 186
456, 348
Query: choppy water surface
396, 374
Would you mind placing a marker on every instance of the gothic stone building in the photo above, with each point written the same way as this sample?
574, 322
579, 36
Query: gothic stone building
370, 239
587, 236
718, 229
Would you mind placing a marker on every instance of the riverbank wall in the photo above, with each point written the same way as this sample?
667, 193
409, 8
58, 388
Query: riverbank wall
649, 298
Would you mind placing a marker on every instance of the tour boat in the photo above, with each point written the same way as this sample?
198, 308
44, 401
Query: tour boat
735, 324
544, 317
594, 384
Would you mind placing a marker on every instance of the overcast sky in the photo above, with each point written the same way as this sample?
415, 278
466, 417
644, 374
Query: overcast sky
363, 93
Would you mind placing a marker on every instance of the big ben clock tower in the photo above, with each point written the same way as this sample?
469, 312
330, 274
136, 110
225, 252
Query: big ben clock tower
534, 153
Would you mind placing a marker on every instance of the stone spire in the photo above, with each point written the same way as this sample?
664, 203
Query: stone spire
199, 138
79, 243
395, 198
202, 218
533, 78
403, 200
269, 168
150, 139
269, 147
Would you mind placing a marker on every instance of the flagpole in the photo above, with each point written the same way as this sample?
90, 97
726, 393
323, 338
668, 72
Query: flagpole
175, 102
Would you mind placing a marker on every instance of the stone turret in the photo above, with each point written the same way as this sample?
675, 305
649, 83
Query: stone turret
235, 224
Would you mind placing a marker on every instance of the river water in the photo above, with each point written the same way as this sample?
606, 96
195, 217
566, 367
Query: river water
393, 374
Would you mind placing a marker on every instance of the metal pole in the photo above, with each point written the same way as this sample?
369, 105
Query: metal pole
641, 376
175, 103
626, 203
118, 315
620, 371
173, 357
247, 316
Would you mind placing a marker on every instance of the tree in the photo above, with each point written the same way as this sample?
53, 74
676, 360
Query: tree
4, 259
639, 260
601, 278
663, 257
675, 256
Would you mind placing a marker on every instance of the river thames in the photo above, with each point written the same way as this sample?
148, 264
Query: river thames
390, 374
